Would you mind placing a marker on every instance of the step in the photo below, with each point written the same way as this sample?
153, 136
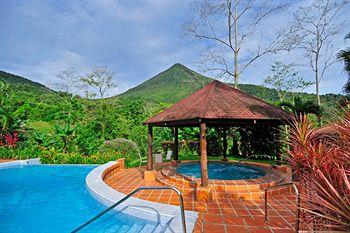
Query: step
136, 228
152, 228
178, 179
239, 195
183, 189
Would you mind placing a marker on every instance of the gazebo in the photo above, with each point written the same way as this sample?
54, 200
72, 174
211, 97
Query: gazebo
215, 105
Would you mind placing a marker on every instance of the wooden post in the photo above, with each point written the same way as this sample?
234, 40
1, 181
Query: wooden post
176, 143
150, 149
224, 143
203, 149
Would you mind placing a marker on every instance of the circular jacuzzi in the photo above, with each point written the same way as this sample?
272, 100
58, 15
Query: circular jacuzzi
222, 170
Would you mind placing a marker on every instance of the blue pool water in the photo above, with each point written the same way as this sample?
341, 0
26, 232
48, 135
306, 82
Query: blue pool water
44, 198
222, 171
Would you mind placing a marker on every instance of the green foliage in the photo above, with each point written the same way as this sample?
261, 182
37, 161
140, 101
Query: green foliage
285, 79
8, 121
300, 107
41, 126
121, 148
62, 128
253, 140
214, 142
22, 151
161, 87
21, 82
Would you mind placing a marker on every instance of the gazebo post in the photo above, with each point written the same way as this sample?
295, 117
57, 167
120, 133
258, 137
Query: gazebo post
224, 144
150, 149
204, 160
150, 174
176, 143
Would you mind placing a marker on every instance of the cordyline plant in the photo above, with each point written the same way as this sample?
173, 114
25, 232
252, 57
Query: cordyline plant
11, 140
321, 164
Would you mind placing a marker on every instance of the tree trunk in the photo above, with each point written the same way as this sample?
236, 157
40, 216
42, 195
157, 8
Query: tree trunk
204, 159
316, 71
224, 143
176, 143
236, 45
317, 90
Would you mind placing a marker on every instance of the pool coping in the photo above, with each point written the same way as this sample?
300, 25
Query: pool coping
17, 163
167, 216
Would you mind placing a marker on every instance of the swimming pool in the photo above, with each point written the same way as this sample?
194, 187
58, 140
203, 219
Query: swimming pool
222, 171
54, 198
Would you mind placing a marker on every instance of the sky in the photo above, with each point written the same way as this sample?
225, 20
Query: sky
134, 39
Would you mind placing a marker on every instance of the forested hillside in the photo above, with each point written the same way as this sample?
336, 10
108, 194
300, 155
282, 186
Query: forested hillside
22, 83
60, 128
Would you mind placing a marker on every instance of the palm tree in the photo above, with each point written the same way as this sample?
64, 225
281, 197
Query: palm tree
345, 56
300, 107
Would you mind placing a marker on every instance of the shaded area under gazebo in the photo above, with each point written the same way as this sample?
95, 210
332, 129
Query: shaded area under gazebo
215, 105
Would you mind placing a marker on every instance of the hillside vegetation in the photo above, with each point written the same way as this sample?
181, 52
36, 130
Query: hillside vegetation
60, 128
178, 82
169, 86
19, 82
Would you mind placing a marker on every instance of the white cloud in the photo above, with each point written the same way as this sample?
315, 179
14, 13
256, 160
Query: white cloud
135, 39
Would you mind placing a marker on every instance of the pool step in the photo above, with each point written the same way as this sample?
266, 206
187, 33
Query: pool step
138, 228
148, 228
254, 194
238, 195
182, 188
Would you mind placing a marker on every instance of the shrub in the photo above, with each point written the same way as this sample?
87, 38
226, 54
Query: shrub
320, 162
22, 151
121, 148
252, 140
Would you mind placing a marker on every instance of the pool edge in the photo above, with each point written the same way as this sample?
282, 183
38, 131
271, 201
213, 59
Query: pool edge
168, 216
18, 163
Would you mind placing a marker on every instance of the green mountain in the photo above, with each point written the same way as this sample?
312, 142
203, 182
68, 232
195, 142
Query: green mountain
169, 86
21, 83
178, 82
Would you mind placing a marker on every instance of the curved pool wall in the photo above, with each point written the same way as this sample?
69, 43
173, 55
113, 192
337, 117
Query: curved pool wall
222, 170
168, 216
17, 163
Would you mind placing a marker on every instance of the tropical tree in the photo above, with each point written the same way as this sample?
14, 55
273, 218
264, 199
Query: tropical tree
313, 28
100, 79
8, 122
70, 82
345, 56
285, 79
300, 107
227, 26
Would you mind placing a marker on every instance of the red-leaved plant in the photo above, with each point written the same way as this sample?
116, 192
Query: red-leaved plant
321, 163
11, 140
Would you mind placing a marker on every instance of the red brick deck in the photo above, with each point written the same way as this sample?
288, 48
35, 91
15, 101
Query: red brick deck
222, 215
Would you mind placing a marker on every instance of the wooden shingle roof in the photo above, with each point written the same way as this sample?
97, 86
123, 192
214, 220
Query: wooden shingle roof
219, 103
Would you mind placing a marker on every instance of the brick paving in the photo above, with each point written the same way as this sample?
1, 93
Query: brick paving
222, 215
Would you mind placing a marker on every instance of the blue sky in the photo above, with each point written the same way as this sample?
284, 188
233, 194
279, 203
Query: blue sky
135, 39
